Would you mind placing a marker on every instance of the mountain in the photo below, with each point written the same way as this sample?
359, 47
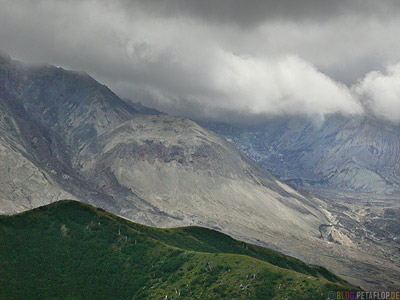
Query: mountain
357, 154
46, 115
63, 135
88, 139
69, 250
185, 172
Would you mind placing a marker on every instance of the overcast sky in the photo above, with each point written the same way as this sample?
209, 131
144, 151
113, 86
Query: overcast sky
221, 59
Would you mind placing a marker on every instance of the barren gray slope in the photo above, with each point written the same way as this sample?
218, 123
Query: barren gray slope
24, 184
192, 174
46, 113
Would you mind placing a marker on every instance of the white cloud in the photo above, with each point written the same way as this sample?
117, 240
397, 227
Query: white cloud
285, 85
381, 92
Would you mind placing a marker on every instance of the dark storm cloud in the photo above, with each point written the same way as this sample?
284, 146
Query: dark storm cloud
252, 13
219, 59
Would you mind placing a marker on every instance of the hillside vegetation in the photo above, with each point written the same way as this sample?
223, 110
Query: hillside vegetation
70, 250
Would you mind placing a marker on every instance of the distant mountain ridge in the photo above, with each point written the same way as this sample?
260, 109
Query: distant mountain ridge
354, 153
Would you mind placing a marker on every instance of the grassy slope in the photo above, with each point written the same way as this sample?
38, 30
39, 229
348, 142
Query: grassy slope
69, 250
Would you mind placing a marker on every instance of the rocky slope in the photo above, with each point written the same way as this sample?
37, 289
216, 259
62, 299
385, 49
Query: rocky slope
23, 143
65, 135
46, 115
192, 172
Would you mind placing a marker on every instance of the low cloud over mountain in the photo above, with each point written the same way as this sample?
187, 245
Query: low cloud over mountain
381, 92
221, 60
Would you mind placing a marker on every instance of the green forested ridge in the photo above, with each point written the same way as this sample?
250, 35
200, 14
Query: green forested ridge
70, 250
